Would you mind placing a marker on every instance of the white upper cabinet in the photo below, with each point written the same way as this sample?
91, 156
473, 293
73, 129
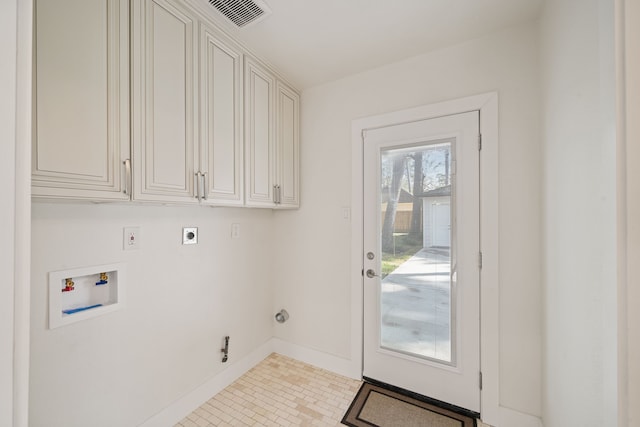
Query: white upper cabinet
220, 119
271, 139
149, 100
259, 135
164, 119
81, 133
187, 108
288, 146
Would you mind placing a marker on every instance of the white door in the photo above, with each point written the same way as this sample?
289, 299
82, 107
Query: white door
421, 305
441, 224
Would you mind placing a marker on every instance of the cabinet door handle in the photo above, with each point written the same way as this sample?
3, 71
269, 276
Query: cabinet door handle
275, 194
196, 184
279, 195
205, 185
127, 177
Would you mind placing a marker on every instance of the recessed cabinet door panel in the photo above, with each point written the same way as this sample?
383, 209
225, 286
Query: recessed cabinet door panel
260, 138
288, 146
221, 120
164, 78
82, 104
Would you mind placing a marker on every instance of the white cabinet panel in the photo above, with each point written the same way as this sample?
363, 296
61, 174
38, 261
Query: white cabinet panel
82, 105
272, 139
288, 137
221, 119
259, 134
163, 101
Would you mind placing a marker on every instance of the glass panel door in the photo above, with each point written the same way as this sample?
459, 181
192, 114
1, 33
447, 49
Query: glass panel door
421, 243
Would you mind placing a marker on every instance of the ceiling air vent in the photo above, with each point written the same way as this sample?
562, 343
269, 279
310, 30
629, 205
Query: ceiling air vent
242, 12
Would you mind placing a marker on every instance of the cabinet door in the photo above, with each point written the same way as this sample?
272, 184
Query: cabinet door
288, 146
81, 99
220, 119
164, 107
259, 134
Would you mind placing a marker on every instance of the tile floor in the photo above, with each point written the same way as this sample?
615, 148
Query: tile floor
279, 391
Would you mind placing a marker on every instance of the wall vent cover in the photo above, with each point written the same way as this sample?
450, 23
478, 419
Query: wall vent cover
242, 12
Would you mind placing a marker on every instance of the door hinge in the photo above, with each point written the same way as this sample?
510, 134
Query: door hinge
479, 141
480, 260
480, 379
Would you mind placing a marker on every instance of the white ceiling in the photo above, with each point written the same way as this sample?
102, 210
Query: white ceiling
313, 42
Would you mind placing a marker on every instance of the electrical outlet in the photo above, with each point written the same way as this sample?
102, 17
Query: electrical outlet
131, 238
190, 235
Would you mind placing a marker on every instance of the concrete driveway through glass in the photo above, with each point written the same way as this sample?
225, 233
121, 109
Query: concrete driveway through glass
416, 306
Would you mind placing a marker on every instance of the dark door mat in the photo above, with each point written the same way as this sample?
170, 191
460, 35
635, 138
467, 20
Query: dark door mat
379, 406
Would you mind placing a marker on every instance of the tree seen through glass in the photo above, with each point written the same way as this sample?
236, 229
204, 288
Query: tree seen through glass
407, 177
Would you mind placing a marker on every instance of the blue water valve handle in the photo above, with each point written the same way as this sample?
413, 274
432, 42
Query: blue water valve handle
76, 310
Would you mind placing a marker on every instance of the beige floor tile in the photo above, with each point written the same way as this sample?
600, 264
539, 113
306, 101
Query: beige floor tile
279, 391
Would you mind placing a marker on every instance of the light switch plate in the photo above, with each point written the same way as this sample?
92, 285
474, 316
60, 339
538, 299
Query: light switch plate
235, 231
346, 213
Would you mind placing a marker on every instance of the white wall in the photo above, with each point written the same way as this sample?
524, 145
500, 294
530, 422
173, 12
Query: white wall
8, 42
121, 368
313, 256
579, 213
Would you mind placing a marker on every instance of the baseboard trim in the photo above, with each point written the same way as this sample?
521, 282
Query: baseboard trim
182, 407
510, 417
335, 364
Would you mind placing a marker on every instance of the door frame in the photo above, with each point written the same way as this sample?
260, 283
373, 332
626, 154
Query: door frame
487, 104
14, 358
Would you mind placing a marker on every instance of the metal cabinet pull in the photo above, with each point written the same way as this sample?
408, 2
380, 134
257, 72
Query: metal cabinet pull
127, 177
196, 184
205, 186
277, 194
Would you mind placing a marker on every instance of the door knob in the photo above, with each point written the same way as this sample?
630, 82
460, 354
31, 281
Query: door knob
371, 274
